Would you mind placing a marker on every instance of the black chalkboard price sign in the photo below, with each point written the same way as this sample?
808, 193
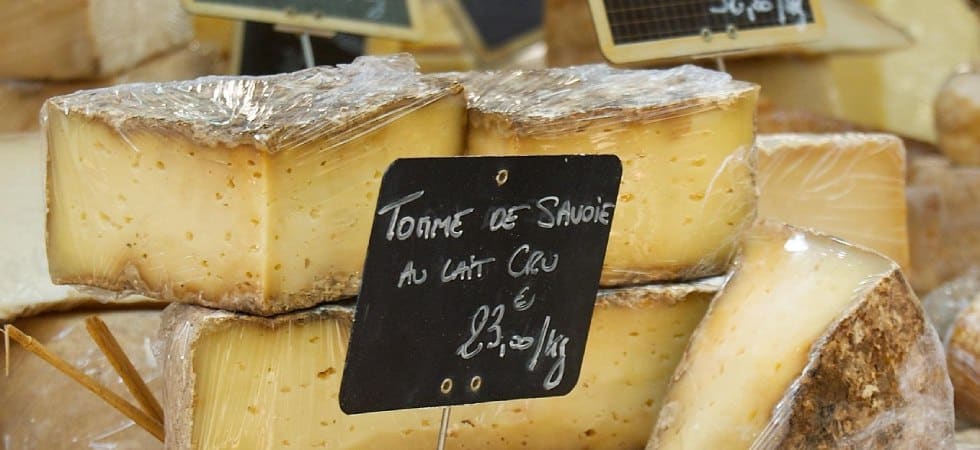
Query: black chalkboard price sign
644, 30
385, 18
480, 280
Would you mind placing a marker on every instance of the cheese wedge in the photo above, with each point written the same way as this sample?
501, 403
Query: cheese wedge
811, 344
251, 194
21, 101
954, 217
684, 136
44, 409
67, 39
851, 186
264, 383
958, 118
963, 357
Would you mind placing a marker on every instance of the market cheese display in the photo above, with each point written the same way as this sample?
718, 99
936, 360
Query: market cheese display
21, 100
958, 117
68, 39
812, 343
44, 409
263, 383
851, 186
684, 136
250, 194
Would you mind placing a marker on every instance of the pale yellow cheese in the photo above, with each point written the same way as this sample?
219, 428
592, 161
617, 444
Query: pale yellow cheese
812, 343
257, 383
684, 137
68, 39
44, 409
851, 186
252, 194
21, 101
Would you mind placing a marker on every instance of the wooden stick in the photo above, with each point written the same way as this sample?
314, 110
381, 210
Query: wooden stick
142, 419
124, 367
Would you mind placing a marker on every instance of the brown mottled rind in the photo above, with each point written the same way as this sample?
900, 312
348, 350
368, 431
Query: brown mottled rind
963, 358
562, 100
180, 330
270, 113
875, 380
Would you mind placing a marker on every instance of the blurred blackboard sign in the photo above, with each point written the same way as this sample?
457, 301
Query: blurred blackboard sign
494, 29
644, 30
263, 49
383, 18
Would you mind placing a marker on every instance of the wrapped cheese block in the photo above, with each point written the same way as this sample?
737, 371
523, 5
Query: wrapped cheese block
254, 194
851, 186
963, 357
958, 117
684, 136
68, 39
21, 101
44, 409
815, 344
270, 383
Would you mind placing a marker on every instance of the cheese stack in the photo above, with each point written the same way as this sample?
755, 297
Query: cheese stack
812, 343
684, 137
44, 409
250, 194
851, 186
264, 383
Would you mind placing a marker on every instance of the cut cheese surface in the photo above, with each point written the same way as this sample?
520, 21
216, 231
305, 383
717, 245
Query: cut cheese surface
264, 383
958, 117
851, 186
67, 39
250, 194
44, 409
684, 137
812, 343
21, 101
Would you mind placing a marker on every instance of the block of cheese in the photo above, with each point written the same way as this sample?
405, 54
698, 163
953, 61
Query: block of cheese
963, 357
945, 303
254, 194
958, 117
21, 101
439, 48
68, 39
44, 409
684, 136
851, 186
265, 383
955, 214
812, 343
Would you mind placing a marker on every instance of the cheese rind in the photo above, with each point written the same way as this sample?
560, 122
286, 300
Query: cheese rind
45, 409
958, 118
684, 137
254, 194
812, 343
963, 357
851, 186
260, 382
67, 39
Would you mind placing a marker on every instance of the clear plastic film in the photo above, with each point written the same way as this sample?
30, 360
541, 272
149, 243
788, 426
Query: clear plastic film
957, 111
71, 40
812, 343
944, 220
265, 383
851, 186
21, 100
955, 308
45, 409
684, 136
253, 194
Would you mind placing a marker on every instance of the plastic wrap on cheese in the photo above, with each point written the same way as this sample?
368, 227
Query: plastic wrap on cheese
811, 344
957, 110
272, 383
684, 136
955, 309
72, 40
253, 194
44, 409
947, 301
